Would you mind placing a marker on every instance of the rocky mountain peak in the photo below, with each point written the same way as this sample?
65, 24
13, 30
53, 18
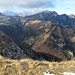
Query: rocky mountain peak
49, 12
71, 16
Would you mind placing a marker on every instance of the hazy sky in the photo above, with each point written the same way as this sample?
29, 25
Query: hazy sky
33, 6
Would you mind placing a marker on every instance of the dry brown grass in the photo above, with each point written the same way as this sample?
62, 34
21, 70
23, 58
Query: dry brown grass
73, 39
35, 21
31, 67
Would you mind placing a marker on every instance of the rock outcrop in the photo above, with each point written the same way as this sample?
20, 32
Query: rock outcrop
9, 49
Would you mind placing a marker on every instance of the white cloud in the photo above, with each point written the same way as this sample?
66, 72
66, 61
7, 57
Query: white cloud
27, 3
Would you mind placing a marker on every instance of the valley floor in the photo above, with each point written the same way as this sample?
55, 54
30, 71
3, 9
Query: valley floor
31, 67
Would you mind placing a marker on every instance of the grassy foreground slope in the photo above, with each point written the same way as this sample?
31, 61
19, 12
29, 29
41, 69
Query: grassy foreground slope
31, 67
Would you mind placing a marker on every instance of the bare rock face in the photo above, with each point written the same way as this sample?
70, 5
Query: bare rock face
9, 49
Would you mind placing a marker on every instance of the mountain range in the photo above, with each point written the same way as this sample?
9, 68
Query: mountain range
10, 13
44, 36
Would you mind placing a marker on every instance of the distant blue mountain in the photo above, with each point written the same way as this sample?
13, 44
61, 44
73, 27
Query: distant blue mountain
10, 13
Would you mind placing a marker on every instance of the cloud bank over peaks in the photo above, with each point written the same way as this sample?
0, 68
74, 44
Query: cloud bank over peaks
27, 3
